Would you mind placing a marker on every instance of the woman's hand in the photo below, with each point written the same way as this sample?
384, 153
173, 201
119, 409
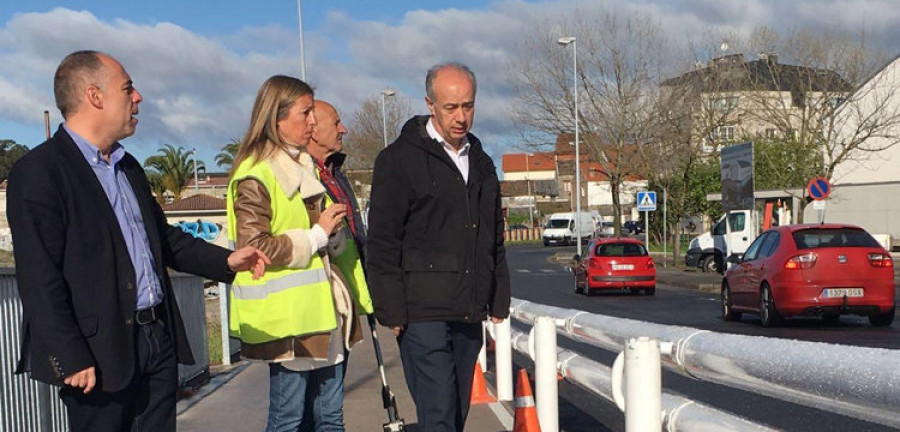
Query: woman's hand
330, 220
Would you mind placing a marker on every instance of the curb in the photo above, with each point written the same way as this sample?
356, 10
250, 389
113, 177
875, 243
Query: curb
215, 382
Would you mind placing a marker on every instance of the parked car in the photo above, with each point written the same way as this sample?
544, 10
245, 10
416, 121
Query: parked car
615, 263
633, 227
517, 226
605, 229
823, 270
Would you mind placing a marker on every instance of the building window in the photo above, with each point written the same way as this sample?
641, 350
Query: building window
568, 186
724, 104
722, 133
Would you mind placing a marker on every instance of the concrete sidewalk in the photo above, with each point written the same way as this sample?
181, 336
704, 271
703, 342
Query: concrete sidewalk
238, 400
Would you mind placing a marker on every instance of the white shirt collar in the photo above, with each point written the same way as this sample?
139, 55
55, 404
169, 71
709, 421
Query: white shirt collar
433, 133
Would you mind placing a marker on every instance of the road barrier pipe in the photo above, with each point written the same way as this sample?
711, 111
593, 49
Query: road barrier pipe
679, 413
852, 381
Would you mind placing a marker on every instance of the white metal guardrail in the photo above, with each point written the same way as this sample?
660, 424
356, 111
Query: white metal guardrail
853, 381
29, 406
676, 413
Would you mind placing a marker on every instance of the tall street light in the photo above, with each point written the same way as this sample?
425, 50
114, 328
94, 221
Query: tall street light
196, 182
384, 94
566, 41
302, 50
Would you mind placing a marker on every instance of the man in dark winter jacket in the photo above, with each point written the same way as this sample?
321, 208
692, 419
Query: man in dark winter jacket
436, 260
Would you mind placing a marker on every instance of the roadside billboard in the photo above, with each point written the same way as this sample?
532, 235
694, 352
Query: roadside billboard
737, 177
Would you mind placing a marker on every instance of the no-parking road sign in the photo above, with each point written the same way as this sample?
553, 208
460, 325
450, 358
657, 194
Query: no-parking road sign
818, 188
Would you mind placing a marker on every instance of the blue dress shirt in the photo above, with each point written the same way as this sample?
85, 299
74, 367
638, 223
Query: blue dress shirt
125, 205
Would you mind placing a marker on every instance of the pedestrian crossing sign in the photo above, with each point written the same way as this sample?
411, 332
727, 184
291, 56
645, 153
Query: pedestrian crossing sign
646, 201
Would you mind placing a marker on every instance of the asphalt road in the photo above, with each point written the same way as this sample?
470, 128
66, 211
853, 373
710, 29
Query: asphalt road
537, 278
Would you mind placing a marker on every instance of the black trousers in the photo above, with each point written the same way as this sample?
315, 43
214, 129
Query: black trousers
147, 404
438, 362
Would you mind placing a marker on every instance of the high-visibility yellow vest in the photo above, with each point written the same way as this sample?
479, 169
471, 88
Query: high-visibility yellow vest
285, 302
352, 269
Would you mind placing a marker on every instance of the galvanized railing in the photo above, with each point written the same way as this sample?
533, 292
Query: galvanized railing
29, 406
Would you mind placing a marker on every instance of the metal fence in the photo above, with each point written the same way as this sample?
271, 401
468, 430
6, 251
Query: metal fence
29, 406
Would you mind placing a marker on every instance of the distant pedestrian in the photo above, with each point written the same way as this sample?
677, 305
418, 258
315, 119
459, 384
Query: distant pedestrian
435, 256
92, 246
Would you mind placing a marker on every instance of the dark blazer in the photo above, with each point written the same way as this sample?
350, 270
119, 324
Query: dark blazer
76, 280
435, 244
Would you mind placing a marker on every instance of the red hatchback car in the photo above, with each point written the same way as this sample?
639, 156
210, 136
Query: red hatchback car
825, 270
615, 263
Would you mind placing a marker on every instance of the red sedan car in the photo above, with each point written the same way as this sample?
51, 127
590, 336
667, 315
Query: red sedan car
615, 263
825, 270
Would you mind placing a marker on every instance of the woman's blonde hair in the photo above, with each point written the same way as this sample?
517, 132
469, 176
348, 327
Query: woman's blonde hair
273, 100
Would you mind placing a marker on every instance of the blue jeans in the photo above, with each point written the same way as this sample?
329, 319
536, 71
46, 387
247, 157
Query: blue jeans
288, 394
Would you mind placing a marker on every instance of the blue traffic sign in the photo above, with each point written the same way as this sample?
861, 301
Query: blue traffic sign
646, 201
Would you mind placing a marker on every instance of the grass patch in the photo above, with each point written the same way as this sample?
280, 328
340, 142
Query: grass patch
214, 341
7, 259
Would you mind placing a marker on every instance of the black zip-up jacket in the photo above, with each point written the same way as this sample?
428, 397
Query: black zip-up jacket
435, 245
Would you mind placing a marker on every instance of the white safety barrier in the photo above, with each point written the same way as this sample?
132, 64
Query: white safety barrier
542, 345
680, 414
503, 360
853, 381
641, 399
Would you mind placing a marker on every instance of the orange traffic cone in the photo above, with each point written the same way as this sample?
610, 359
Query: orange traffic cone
526, 413
480, 393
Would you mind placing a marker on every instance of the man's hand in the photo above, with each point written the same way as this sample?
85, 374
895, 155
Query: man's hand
397, 330
249, 258
85, 379
496, 320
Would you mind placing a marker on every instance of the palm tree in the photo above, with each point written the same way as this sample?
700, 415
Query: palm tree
174, 166
226, 157
157, 186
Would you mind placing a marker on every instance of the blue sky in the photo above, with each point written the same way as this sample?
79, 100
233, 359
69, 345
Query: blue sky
199, 63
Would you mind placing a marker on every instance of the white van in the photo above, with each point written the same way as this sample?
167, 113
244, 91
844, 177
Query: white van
561, 230
708, 250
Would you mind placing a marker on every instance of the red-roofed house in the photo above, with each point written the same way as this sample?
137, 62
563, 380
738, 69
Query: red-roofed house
212, 184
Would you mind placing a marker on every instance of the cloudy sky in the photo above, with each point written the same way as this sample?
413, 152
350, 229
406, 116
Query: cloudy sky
199, 63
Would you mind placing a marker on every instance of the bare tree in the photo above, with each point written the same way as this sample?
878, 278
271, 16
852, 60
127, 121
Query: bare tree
366, 138
689, 115
619, 61
816, 91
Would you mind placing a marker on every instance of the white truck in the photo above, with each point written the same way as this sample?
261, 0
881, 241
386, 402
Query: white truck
709, 250
561, 227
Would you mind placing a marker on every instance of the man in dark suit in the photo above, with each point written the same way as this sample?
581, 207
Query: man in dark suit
92, 247
436, 260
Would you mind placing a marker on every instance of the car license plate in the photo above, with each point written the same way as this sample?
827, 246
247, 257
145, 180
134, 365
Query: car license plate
623, 266
841, 292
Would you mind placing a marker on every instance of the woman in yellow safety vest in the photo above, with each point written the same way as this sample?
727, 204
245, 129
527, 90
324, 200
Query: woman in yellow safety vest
299, 317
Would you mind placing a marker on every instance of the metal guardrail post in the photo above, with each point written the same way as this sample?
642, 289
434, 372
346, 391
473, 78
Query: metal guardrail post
223, 321
503, 361
643, 385
482, 354
545, 382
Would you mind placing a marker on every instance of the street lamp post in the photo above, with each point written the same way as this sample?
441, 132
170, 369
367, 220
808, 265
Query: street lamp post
196, 182
566, 41
302, 50
384, 94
